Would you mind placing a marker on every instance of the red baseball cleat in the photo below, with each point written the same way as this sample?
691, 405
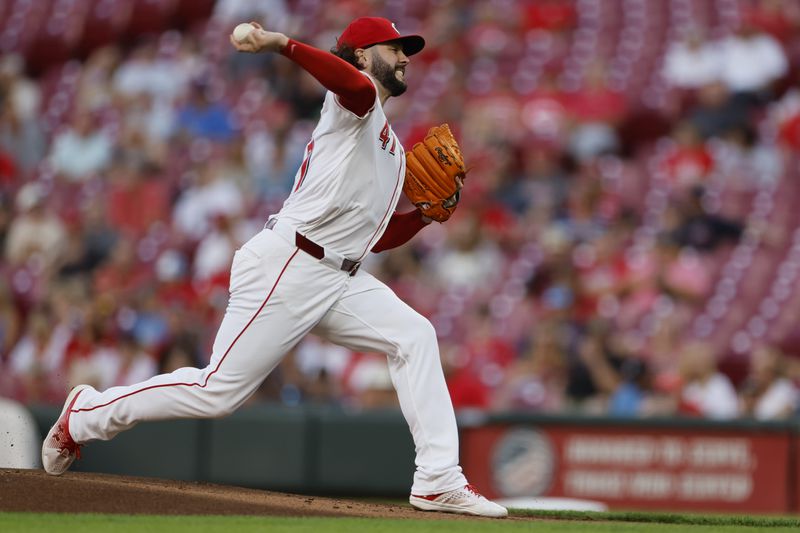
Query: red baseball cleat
58, 448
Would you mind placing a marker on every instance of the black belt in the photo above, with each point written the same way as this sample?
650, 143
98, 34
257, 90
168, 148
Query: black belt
315, 250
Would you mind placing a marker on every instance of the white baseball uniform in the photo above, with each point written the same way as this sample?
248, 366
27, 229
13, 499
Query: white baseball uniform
343, 196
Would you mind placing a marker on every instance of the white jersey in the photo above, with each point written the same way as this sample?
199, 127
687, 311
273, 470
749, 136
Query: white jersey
343, 197
349, 184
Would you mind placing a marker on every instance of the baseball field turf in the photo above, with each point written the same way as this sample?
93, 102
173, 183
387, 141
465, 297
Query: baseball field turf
31, 501
549, 522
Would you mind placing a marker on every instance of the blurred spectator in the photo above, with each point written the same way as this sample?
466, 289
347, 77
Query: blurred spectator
272, 14
472, 260
495, 116
96, 90
20, 129
692, 62
182, 352
146, 321
9, 322
272, 157
606, 376
715, 112
702, 230
123, 363
583, 219
545, 111
122, 274
175, 292
37, 358
366, 382
751, 60
234, 166
145, 72
319, 367
97, 238
202, 117
541, 186
745, 162
596, 101
706, 392
467, 389
215, 251
786, 115
596, 110
23, 94
210, 195
82, 149
137, 200
554, 285
683, 275
690, 163
149, 122
767, 393
536, 381
89, 327
483, 356
35, 232
590, 140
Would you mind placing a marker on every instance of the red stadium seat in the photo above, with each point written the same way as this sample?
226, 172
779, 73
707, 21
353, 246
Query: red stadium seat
187, 12
104, 24
149, 17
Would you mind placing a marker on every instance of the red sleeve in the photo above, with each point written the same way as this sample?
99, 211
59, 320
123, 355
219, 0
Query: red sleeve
400, 230
355, 90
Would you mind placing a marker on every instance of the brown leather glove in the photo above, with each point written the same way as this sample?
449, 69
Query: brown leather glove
434, 172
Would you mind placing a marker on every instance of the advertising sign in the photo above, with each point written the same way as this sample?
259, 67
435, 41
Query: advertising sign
629, 467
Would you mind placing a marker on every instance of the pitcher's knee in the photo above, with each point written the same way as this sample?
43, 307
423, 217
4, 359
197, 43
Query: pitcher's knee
219, 401
418, 336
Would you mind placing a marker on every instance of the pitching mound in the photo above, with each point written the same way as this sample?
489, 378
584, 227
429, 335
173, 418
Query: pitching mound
77, 492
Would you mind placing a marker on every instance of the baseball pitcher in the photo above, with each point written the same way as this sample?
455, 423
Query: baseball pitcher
301, 273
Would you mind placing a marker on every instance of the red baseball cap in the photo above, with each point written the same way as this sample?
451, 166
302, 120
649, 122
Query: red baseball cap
366, 31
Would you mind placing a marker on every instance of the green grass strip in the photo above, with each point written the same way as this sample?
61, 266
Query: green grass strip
663, 518
108, 523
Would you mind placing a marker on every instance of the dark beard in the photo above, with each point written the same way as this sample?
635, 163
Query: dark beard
386, 76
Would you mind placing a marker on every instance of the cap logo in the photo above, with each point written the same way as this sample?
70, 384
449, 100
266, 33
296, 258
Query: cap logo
395, 28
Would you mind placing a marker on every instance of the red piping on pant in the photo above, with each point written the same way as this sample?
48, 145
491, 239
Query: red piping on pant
218, 364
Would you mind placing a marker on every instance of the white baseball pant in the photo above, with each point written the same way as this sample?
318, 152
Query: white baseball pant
278, 294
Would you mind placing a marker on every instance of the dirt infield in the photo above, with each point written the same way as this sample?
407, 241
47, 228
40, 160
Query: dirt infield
76, 492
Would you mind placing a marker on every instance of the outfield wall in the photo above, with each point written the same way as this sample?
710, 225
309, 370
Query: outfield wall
653, 464
740, 466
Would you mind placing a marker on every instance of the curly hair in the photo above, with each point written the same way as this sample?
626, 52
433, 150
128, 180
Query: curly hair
347, 53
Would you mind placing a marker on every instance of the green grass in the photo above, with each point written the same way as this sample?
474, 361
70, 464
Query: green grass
552, 522
668, 518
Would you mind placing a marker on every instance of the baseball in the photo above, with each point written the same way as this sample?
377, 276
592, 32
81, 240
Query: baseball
241, 31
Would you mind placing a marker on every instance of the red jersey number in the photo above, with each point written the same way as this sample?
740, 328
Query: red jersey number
385, 137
